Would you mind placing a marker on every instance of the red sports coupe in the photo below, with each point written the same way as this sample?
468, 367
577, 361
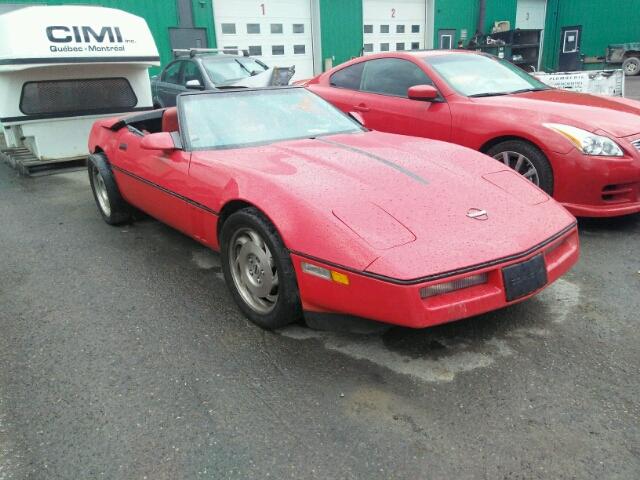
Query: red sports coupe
582, 149
315, 215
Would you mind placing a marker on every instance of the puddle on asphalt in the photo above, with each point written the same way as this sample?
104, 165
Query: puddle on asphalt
205, 259
441, 353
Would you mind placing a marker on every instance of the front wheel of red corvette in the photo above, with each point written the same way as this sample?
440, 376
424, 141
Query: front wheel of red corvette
258, 270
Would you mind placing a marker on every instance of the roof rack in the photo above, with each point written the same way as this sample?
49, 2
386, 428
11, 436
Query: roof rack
192, 52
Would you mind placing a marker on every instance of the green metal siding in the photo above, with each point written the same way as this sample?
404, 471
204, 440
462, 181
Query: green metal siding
500, 10
603, 22
340, 29
455, 15
463, 14
159, 14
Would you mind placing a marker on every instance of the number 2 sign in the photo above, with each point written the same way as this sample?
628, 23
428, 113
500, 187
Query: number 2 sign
393, 13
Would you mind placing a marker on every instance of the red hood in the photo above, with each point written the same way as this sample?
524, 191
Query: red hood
408, 199
618, 117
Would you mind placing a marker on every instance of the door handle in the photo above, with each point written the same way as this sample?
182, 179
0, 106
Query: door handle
361, 108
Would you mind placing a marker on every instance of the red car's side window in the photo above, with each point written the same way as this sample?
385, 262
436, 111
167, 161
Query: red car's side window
392, 76
348, 77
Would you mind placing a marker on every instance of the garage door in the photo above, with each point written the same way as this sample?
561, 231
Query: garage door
393, 25
277, 31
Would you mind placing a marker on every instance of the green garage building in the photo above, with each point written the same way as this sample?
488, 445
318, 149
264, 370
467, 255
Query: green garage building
315, 34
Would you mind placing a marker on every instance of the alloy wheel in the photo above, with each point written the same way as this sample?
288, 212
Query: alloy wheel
101, 191
521, 164
253, 270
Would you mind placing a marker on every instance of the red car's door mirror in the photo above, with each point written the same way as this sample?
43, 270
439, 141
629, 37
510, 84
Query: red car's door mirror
422, 92
158, 141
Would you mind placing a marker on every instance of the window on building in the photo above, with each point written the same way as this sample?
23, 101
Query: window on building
384, 47
298, 28
400, 46
368, 47
415, 28
399, 28
253, 28
255, 50
276, 28
229, 28
415, 45
277, 50
348, 77
81, 95
384, 28
392, 76
299, 49
368, 29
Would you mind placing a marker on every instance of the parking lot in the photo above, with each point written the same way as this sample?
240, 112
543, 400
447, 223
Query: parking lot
124, 357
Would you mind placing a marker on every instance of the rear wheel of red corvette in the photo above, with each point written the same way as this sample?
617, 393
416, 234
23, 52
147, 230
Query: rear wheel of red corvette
258, 270
527, 160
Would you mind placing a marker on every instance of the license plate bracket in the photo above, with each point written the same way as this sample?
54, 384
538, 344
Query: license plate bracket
524, 278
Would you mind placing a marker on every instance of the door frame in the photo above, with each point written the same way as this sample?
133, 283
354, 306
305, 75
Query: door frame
447, 32
563, 37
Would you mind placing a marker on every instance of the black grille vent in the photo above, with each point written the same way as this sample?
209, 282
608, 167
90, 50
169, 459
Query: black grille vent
83, 96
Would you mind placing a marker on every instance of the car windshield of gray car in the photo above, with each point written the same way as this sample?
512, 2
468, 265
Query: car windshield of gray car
253, 117
483, 76
223, 71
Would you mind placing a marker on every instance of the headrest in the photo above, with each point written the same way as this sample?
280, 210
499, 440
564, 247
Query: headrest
170, 120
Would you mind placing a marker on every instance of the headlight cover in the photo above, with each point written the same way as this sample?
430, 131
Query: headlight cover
587, 142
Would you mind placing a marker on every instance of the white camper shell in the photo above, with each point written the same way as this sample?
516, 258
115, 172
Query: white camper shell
61, 68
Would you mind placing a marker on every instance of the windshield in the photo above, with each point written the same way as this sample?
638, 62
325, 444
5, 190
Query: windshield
251, 117
480, 75
228, 70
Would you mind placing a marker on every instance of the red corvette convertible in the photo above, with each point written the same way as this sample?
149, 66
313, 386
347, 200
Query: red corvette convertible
315, 215
582, 149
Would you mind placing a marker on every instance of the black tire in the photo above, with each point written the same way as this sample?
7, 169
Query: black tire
118, 211
631, 66
287, 308
531, 153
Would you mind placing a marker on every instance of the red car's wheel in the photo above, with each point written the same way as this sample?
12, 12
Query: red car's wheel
258, 270
112, 206
527, 160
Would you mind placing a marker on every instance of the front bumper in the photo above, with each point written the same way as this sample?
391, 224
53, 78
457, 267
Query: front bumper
597, 186
400, 303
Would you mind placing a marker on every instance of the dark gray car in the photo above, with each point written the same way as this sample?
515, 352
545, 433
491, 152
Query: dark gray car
211, 70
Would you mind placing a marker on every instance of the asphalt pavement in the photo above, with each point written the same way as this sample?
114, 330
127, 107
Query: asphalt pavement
122, 356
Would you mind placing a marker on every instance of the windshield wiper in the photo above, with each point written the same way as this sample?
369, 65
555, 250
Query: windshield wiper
489, 94
525, 90
243, 67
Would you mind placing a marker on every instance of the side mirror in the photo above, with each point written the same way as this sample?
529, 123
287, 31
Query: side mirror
158, 141
194, 85
426, 93
357, 117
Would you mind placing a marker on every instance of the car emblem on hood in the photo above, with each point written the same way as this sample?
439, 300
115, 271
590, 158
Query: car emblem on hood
478, 214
